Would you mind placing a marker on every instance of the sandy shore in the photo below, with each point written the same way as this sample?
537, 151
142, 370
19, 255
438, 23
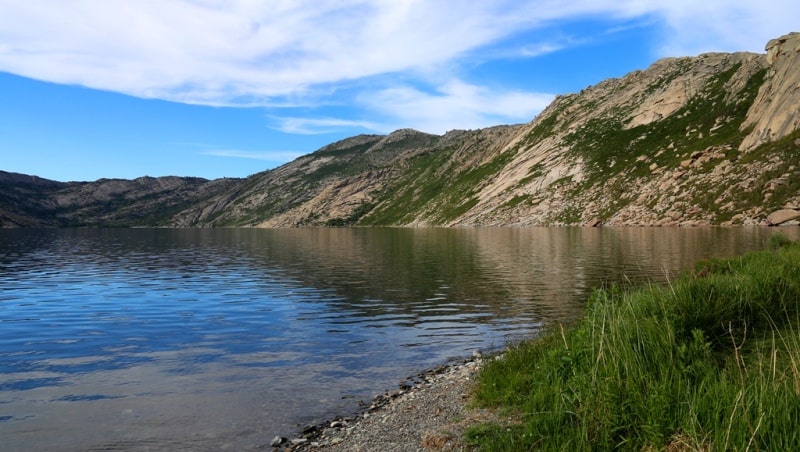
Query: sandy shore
429, 415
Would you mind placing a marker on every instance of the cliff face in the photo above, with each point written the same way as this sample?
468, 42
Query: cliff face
775, 112
711, 139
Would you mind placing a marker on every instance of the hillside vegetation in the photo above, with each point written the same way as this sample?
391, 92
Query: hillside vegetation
711, 139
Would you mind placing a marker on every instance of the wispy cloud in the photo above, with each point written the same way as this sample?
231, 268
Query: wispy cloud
453, 105
262, 52
539, 49
222, 53
284, 54
722, 25
317, 126
272, 156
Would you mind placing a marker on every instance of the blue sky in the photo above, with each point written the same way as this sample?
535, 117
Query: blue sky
121, 89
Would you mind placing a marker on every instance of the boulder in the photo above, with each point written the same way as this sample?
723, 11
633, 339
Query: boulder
782, 216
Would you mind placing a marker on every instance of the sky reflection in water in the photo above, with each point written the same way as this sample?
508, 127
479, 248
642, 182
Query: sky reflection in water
214, 338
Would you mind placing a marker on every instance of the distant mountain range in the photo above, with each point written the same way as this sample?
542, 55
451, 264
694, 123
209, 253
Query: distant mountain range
711, 139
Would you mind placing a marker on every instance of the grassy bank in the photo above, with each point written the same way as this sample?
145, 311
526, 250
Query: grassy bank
710, 361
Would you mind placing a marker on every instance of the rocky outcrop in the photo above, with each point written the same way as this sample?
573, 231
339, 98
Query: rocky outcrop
638, 150
775, 112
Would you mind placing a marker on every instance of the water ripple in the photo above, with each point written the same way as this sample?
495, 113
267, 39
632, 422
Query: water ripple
236, 335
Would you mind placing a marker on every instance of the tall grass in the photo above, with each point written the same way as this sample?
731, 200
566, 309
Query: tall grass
709, 362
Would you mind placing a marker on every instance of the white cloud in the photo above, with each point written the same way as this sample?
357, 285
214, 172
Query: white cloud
315, 126
239, 52
694, 27
273, 156
300, 52
454, 105
539, 49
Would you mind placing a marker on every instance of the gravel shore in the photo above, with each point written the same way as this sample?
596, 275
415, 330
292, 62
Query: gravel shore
430, 414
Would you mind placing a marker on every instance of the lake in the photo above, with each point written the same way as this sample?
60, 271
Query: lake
129, 339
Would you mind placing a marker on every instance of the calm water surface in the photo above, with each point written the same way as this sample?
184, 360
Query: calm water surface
206, 339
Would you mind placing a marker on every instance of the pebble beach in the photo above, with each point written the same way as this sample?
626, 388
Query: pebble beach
430, 413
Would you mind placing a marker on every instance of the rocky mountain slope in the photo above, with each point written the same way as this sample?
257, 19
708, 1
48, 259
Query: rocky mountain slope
711, 139
30, 201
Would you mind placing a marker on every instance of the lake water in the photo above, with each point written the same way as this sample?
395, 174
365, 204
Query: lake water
138, 339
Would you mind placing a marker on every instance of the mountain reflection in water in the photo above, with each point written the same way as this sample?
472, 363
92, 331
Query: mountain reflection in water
198, 338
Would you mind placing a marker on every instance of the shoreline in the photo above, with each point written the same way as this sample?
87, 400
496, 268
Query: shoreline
430, 411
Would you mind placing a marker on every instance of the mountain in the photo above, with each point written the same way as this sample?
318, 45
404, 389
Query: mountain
711, 139
30, 201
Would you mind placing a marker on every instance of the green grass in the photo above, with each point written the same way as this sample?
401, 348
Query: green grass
710, 361
517, 200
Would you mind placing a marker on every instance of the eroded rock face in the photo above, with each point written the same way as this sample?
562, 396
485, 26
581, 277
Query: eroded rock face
775, 112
